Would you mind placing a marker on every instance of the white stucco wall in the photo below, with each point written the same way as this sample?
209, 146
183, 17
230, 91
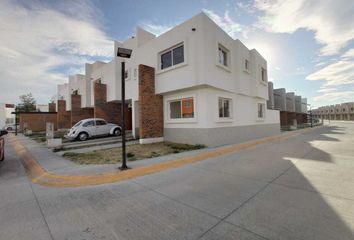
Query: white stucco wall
5, 113
243, 110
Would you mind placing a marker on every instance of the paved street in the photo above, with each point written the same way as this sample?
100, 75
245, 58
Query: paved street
299, 188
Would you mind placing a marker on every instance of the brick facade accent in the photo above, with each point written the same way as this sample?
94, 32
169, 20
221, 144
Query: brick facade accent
150, 105
37, 121
78, 113
52, 107
63, 116
283, 118
301, 118
110, 111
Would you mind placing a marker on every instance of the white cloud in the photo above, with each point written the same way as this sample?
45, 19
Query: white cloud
349, 54
38, 41
327, 90
230, 26
336, 77
335, 74
156, 29
331, 21
335, 97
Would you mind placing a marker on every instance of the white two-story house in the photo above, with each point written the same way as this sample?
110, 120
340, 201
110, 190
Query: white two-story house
214, 89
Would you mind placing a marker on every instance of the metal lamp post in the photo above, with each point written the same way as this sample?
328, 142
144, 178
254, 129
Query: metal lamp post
123, 53
310, 114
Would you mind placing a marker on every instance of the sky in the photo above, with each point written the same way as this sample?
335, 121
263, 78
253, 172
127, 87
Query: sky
308, 44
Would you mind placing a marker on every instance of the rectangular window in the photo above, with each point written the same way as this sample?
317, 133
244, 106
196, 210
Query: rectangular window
223, 56
172, 57
264, 75
182, 108
260, 110
224, 107
247, 65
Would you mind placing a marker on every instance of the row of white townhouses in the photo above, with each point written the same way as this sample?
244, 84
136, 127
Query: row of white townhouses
207, 87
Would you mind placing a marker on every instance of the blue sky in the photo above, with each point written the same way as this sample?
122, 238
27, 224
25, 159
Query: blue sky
308, 43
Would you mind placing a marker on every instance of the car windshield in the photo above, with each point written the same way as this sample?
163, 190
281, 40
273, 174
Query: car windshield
78, 124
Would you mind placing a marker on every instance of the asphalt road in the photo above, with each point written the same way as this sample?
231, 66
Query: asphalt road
300, 188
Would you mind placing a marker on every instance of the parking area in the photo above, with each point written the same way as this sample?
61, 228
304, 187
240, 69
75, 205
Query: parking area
298, 188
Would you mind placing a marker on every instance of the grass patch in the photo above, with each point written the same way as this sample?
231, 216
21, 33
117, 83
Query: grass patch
41, 136
134, 152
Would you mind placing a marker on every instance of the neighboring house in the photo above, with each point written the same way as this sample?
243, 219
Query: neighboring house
293, 109
343, 111
5, 114
193, 84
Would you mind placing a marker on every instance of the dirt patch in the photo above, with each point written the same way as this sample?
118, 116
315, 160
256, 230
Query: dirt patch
134, 152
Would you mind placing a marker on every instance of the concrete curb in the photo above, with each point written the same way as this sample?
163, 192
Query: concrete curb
37, 174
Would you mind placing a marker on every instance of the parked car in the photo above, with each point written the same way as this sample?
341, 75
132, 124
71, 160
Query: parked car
10, 127
93, 127
2, 144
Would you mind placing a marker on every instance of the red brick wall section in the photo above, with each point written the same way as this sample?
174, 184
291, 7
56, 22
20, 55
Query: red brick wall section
63, 116
151, 105
110, 111
78, 113
299, 118
291, 117
37, 121
52, 107
283, 118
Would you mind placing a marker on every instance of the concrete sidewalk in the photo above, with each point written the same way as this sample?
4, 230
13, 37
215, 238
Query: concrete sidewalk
299, 188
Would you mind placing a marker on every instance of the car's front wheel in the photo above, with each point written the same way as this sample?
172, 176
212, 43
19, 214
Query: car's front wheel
9, 129
117, 132
83, 136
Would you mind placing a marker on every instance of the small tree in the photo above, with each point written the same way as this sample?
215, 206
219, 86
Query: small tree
27, 103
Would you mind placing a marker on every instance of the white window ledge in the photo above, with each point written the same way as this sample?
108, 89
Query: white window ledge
223, 67
224, 120
171, 68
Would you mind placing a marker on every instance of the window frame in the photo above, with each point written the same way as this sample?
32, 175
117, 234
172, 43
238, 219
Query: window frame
170, 49
265, 81
91, 121
228, 57
168, 118
181, 108
263, 111
247, 70
224, 99
100, 120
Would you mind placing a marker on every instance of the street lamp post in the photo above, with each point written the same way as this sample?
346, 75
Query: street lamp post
310, 115
123, 53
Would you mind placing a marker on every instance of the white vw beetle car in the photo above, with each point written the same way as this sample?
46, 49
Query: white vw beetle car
93, 127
